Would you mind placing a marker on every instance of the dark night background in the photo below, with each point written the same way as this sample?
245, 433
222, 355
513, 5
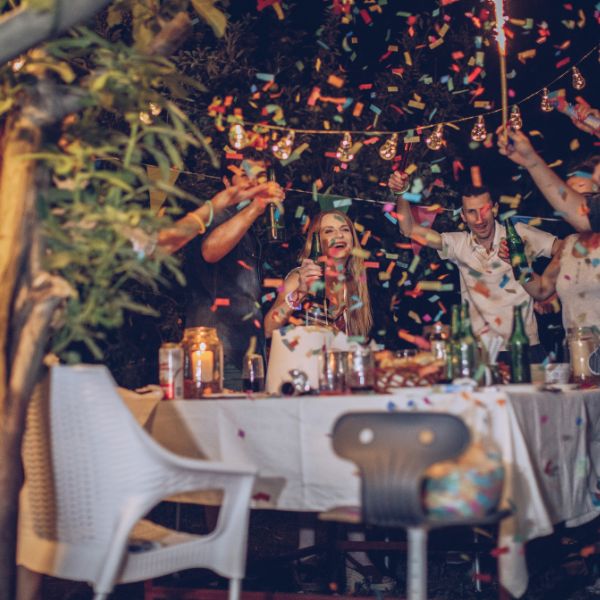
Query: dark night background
257, 41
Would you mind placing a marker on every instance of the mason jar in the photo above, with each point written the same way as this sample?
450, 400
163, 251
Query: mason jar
582, 342
203, 362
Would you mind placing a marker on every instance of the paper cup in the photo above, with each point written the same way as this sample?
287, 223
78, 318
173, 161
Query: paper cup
538, 374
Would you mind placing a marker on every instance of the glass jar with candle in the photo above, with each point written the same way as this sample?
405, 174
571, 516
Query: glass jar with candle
203, 362
582, 342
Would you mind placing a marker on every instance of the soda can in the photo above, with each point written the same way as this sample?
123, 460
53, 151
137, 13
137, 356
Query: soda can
170, 370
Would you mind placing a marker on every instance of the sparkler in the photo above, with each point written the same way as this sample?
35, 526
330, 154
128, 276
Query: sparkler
501, 39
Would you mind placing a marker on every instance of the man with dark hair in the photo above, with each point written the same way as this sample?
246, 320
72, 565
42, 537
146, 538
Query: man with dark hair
486, 281
224, 282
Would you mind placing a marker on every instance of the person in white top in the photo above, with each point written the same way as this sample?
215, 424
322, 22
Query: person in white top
573, 275
486, 281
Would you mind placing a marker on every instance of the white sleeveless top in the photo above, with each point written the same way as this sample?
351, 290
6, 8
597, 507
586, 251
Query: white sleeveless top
578, 285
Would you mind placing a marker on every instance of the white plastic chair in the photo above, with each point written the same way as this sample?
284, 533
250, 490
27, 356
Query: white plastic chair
92, 473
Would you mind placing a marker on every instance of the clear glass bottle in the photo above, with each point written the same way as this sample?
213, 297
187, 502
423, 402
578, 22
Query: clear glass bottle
438, 340
203, 362
453, 347
467, 345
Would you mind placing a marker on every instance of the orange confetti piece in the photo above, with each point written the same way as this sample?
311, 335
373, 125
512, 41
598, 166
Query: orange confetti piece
219, 302
482, 289
272, 282
588, 551
335, 81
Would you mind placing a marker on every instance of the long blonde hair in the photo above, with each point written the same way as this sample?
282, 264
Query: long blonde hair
358, 320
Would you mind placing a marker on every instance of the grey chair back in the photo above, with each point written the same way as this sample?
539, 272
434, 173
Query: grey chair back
392, 451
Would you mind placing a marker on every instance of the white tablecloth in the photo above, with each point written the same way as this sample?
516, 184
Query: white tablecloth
549, 444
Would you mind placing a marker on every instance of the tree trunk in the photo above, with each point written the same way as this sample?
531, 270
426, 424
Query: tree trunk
17, 204
29, 297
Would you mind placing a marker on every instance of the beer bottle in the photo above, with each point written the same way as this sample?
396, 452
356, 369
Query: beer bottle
317, 310
467, 345
518, 347
452, 353
275, 224
516, 250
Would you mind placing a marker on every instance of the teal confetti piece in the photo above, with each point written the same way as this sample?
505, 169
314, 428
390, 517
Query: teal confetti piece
265, 76
375, 109
342, 202
390, 218
412, 197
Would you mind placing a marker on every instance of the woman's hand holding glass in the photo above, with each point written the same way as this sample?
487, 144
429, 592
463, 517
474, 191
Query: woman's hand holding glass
308, 272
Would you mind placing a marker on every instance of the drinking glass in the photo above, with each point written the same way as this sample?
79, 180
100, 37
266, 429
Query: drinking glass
253, 373
360, 370
332, 372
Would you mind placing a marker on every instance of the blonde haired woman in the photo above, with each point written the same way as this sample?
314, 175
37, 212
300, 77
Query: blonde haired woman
345, 279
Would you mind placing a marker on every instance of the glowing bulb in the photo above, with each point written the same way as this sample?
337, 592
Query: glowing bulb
436, 140
545, 103
578, 80
146, 118
479, 132
515, 122
238, 138
282, 148
343, 153
17, 64
155, 109
389, 148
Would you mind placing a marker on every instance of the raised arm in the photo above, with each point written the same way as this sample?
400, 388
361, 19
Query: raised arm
539, 287
424, 235
194, 223
224, 238
568, 202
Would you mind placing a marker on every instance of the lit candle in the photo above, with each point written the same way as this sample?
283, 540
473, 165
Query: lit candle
203, 362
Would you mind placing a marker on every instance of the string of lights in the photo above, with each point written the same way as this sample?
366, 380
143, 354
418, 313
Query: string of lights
578, 81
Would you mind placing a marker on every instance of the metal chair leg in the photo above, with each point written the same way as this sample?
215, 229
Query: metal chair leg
417, 564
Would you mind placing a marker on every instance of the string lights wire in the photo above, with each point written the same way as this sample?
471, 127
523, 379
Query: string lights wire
371, 132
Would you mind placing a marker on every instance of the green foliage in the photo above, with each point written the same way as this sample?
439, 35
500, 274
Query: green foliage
100, 234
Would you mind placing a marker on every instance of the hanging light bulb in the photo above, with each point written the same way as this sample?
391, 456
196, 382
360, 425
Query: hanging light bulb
389, 148
545, 103
343, 152
515, 122
282, 148
238, 138
154, 108
578, 80
436, 140
479, 132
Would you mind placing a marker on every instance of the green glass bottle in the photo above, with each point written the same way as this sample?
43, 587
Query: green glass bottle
452, 352
467, 345
316, 313
518, 347
274, 219
516, 250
